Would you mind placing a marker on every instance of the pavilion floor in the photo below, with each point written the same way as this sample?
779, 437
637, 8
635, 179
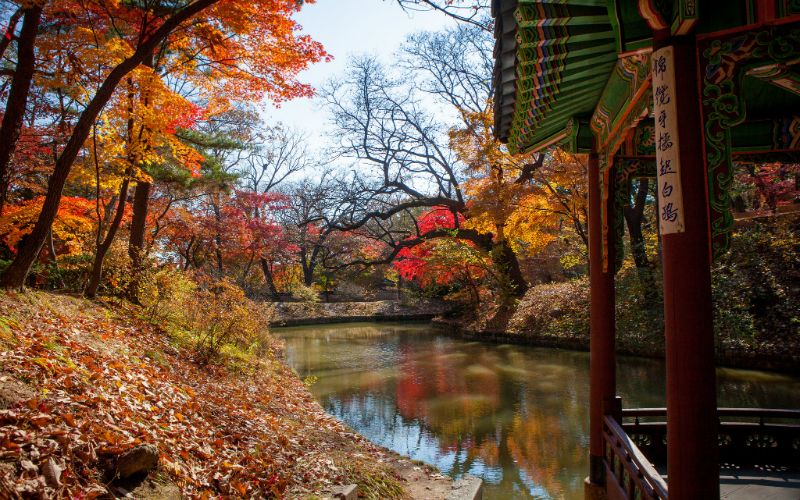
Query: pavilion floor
755, 482
759, 483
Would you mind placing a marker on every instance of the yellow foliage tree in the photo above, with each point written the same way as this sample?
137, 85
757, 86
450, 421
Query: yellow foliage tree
527, 202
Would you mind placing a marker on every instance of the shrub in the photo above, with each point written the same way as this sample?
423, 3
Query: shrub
305, 294
555, 309
73, 272
351, 291
166, 294
223, 316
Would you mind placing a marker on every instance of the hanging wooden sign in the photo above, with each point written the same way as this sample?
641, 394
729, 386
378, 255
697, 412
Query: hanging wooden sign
670, 193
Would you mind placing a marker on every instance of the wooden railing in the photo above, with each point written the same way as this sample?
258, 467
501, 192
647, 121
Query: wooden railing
754, 441
629, 474
631, 448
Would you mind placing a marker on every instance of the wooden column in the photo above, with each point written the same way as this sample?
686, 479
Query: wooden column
692, 448
603, 379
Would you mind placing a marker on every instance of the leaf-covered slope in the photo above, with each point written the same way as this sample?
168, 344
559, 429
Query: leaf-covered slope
94, 382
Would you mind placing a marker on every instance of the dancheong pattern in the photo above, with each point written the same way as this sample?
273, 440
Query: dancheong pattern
724, 61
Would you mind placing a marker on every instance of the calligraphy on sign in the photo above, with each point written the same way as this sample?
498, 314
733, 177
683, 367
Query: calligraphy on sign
670, 193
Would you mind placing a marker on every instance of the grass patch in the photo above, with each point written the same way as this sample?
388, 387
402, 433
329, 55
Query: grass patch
157, 356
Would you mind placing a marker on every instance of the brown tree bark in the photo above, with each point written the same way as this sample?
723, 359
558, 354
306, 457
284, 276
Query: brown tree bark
102, 248
141, 200
634, 216
10, 29
14, 277
188, 254
273, 291
51, 249
508, 264
97, 269
11, 126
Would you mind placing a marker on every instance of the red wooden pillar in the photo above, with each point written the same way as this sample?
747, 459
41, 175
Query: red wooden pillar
603, 379
692, 448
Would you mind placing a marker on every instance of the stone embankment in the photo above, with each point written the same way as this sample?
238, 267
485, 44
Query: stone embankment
302, 314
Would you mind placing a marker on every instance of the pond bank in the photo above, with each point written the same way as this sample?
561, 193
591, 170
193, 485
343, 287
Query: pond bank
732, 358
83, 383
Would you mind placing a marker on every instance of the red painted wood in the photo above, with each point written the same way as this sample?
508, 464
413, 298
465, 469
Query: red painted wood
765, 10
692, 451
750, 27
614, 490
603, 383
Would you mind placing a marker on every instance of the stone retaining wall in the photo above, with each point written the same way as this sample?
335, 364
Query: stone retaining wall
378, 318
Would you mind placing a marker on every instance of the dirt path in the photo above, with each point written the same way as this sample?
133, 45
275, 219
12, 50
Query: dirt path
421, 481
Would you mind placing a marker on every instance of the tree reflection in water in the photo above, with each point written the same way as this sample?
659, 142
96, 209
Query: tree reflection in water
516, 416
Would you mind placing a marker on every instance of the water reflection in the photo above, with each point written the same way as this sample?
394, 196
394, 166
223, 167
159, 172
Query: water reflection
516, 416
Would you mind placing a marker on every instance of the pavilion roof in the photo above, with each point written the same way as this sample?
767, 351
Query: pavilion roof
553, 61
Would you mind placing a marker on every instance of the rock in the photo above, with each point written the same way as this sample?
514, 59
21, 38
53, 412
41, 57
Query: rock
349, 492
140, 459
468, 487
149, 490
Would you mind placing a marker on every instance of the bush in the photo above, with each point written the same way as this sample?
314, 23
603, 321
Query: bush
351, 291
756, 285
223, 316
305, 294
73, 272
640, 307
166, 294
557, 309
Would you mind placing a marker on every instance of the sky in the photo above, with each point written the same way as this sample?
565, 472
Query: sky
347, 27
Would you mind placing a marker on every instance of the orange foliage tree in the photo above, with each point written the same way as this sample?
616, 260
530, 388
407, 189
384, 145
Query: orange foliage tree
225, 50
526, 204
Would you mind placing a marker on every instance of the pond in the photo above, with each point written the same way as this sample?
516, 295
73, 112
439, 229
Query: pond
516, 416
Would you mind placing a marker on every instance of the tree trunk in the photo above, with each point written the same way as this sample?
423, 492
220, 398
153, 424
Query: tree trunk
51, 249
273, 291
10, 29
308, 273
97, 269
14, 276
506, 261
18, 99
634, 215
218, 253
141, 201
247, 268
188, 254
308, 267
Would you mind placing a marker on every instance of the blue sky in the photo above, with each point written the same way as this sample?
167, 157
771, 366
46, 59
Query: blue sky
345, 27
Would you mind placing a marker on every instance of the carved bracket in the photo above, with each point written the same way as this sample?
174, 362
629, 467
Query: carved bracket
724, 61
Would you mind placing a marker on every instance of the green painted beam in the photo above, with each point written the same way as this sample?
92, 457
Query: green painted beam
595, 84
533, 37
586, 3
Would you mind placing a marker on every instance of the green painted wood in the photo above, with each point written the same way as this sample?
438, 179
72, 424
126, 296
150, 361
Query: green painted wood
535, 37
587, 3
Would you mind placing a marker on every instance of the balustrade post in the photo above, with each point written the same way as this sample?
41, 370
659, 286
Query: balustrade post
613, 408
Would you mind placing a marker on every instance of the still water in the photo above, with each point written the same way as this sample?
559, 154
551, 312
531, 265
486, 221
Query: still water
516, 416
